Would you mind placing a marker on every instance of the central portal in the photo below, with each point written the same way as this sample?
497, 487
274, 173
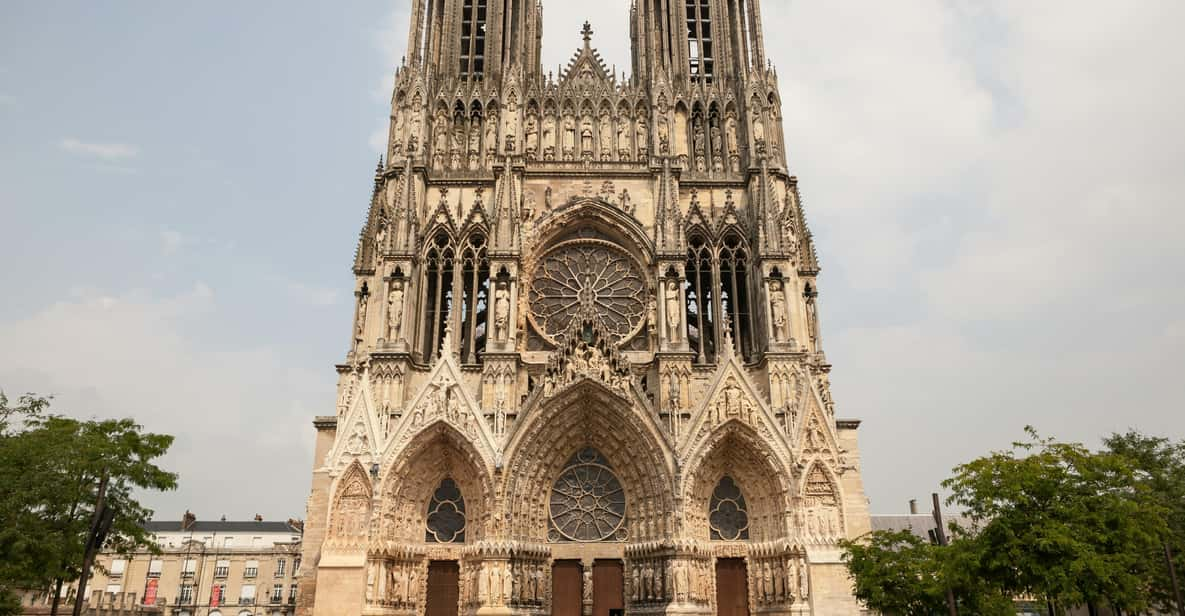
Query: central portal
732, 587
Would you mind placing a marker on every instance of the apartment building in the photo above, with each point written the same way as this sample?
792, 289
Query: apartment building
205, 568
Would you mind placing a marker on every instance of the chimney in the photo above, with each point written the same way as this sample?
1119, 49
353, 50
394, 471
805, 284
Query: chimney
913, 506
188, 520
223, 517
258, 518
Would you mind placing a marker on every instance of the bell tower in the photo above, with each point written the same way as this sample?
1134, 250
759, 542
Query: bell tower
585, 369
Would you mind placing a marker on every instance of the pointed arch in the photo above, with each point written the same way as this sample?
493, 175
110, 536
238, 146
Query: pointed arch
437, 289
589, 415
410, 480
737, 451
350, 513
822, 504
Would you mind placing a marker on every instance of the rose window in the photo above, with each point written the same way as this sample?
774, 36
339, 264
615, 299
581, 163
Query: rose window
588, 279
587, 501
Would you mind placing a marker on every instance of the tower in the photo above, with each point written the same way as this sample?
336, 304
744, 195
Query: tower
585, 370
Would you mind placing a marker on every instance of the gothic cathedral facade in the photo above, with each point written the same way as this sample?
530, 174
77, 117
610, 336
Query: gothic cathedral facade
585, 371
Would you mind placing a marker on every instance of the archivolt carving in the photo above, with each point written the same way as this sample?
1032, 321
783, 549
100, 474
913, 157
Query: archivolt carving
410, 481
583, 416
351, 506
821, 513
738, 452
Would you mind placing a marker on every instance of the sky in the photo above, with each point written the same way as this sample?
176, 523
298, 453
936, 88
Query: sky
997, 194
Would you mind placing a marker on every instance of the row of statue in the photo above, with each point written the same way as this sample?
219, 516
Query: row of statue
505, 583
779, 581
393, 584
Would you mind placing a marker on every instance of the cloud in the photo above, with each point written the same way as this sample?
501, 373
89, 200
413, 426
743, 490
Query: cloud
995, 194
103, 151
171, 240
313, 295
158, 359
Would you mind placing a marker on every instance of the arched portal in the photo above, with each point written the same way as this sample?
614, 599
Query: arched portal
437, 474
738, 453
550, 442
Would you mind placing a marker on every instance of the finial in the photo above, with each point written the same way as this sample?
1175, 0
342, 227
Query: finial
587, 32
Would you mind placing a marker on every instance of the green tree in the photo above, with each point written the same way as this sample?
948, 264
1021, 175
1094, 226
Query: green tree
1058, 521
1160, 468
51, 467
896, 572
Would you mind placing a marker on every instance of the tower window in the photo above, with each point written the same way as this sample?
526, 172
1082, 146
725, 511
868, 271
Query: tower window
438, 289
699, 38
473, 38
475, 281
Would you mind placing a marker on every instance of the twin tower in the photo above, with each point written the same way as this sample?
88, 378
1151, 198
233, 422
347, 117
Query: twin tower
585, 373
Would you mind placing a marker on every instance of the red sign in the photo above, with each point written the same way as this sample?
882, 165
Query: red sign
150, 592
215, 596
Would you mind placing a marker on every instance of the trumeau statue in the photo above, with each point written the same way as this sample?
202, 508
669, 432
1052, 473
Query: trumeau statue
593, 352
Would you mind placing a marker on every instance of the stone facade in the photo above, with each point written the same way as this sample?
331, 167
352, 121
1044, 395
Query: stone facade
204, 568
585, 329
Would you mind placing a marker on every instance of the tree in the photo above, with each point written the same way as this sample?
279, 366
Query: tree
51, 467
1058, 521
1160, 468
896, 572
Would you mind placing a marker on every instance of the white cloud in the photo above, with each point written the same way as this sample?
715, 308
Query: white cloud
152, 358
996, 194
313, 295
102, 151
171, 240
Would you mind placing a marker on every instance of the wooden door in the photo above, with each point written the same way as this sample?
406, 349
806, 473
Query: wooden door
608, 587
732, 587
567, 577
444, 590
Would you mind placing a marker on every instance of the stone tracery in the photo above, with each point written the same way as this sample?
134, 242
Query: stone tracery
557, 263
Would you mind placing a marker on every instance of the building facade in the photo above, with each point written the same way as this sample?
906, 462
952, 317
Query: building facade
584, 370
215, 568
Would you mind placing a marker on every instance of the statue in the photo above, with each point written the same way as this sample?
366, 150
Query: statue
586, 136
587, 586
531, 131
547, 199
394, 309
626, 204
672, 311
548, 132
641, 137
606, 133
501, 311
777, 310
475, 135
492, 133
758, 127
361, 327
569, 134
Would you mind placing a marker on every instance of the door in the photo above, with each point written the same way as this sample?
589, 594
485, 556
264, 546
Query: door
566, 580
444, 590
608, 587
732, 587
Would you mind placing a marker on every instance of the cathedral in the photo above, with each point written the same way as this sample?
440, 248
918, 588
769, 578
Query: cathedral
585, 375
